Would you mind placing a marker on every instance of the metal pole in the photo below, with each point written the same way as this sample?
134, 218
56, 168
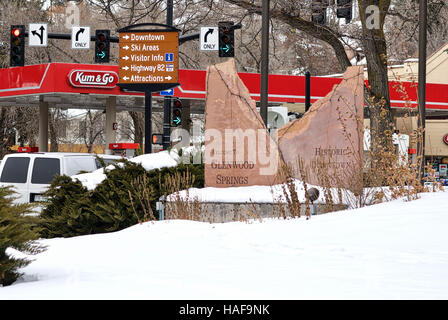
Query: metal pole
307, 91
43, 125
422, 82
167, 100
264, 61
148, 122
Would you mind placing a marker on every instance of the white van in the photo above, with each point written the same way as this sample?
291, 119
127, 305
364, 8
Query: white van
31, 173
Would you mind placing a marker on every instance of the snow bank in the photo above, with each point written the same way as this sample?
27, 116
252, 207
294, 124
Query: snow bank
259, 194
148, 161
393, 250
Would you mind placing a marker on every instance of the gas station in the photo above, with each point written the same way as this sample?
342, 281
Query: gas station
94, 86
148, 64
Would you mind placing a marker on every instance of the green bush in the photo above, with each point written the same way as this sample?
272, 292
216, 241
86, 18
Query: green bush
17, 231
126, 197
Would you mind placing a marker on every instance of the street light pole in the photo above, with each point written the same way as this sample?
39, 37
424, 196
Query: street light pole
166, 136
264, 61
422, 83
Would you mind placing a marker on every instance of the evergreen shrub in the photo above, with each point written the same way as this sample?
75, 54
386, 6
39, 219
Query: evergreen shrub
17, 231
126, 197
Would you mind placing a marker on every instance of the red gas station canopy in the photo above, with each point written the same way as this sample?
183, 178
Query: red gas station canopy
95, 79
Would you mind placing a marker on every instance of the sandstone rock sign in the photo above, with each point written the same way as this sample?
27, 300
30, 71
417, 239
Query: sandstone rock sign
327, 140
238, 148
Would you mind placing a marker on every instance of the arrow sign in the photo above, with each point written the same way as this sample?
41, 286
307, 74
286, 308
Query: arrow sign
39, 35
168, 78
210, 31
125, 58
125, 78
209, 39
80, 37
126, 47
176, 120
125, 68
78, 33
169, 92
101, 55
226, 48
126, 37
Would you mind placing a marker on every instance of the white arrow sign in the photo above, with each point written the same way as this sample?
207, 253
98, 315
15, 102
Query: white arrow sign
126, 47
168, 78
80, 37
38, 35
125, 78
209, 39
125, 58
125, 68
126, 37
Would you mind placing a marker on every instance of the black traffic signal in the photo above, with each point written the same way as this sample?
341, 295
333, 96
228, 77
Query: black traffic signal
17, 51
319, 11
226, 39
177, 112
102, 46
344, 10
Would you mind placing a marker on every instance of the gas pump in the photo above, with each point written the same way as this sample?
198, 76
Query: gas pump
128, 150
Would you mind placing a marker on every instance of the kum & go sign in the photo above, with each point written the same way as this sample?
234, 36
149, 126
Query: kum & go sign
93, 79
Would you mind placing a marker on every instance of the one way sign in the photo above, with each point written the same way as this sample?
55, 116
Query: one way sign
209, 38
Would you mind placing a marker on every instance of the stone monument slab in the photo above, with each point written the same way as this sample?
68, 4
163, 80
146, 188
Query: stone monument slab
238, 148
327, 140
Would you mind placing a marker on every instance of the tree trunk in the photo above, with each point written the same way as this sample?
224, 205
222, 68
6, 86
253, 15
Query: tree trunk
137, 118
53, 131
374, 43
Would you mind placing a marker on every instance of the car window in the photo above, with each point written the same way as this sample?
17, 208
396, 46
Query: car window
75, 165
15, 170
45, 169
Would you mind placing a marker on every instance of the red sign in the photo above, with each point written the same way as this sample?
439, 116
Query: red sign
93, 79
28, 149
120, 146
445, 138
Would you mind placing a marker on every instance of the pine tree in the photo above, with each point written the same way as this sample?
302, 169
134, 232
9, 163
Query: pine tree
18, 231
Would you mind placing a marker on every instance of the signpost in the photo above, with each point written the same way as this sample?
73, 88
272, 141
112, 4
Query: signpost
148, 62
38, 35
80, 37
209, 39
148, 57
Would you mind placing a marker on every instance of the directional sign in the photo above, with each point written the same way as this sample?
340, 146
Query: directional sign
38, 35
80, 37
169, 92
148, 57
209, 38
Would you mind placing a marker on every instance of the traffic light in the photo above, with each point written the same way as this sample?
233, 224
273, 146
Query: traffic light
226, 40
157, 138
102, 46
344, 10
319, 11
177, 112
17, 51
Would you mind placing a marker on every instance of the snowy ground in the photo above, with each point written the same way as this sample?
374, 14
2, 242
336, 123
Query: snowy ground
395, 250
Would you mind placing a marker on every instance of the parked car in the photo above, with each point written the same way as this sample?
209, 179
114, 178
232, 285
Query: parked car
31, 173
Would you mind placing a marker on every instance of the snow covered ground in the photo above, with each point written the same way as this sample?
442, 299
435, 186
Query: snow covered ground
395, 250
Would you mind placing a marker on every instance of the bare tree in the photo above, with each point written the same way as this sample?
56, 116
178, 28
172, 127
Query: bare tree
91, 130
